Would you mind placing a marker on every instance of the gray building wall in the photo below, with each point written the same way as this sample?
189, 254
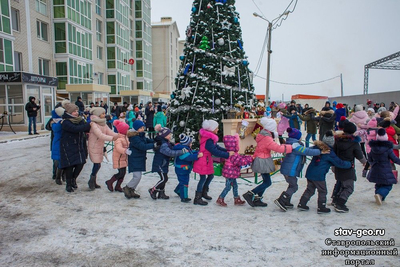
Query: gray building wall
385, 97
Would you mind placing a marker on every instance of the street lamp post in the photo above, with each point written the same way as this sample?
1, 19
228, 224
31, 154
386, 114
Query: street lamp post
269, 51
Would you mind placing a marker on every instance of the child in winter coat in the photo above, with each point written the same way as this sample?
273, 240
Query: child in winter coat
56, 129
183, 166
138, 145
162, 156
73, 145
204, 166
283, 123
99, 133
292, 165
372, 128
130, 116
347, 147
160, 118
120, 157
317, 170
381, 170
231, 170
360, 118
263, 162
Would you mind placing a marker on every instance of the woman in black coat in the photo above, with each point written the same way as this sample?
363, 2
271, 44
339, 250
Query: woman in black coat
73, 148
381, 170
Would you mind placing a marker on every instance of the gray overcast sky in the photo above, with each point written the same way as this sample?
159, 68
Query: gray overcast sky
319, 40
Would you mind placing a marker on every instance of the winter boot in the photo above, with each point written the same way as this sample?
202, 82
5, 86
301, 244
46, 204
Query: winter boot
238, 201
63, 175
322, 208
95, 183
198, 201
364, 173
334, 200
378, 199
249, 197
341, 206
221, 202
258, 202
162, 195
186, 200
68, 187
303, 204
127, 192
134, 194
58, 180
110, 182
92, 182
205, 191
153, 193
176, 191
59, 172
74, 185
283, 202
118, 185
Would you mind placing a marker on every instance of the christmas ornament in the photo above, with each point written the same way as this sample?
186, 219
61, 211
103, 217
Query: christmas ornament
221, 41
209, 6
221, 1
204, 43
204, 66
245, 62
225, 25
188, 31
240, 44
186, 69
172, 96
217, 101
194, 9
243, 128
182, 57
236, 20
185, 92
182, 123
229, 71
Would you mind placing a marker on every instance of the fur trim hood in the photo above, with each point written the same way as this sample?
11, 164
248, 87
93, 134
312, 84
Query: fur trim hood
310, 111
327, 112
347, 138
375, 143
322, 146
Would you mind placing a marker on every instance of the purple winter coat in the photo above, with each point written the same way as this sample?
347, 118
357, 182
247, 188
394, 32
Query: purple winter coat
232, 165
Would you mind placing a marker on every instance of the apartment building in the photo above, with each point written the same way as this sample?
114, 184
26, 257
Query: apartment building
97, 49
166, 51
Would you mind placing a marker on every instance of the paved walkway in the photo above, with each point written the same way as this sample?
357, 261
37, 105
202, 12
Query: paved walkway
10, 136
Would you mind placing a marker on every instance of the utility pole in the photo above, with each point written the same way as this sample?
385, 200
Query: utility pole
268, 64
341, 85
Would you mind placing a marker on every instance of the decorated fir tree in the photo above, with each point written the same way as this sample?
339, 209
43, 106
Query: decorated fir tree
214, 74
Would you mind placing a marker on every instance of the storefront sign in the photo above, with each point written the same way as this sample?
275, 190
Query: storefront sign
17, 77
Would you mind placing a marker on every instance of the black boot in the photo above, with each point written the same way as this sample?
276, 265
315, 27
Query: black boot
58, 176
283, 202
249, 197
205, 191
322, 208
334, 200
153, 193
341, 205
258, 202
68, 187
92, 182
162, 195
303, 204
198, 201
95, 183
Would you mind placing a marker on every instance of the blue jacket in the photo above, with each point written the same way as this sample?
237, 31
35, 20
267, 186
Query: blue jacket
55, 145
319, 165
294, 121
73, 147
293, 163
184, 163
216, 150
163, 154
379, 157
138, 144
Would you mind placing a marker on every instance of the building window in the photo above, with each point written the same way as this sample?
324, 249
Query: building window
6, 55
98, 7
100, 52
15, 19
101, 77
44, 67
41, 28
99, 30
41, 6
17, 61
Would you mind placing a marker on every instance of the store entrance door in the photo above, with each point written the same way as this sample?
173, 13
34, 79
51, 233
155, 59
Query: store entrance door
48, 106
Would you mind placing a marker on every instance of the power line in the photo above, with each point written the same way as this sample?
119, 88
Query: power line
299, 83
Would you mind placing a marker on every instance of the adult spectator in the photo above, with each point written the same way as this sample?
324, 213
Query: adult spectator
31, 108
124, 107
334, 103
80, 104
104, 105
149, 112
376, 107
91, 105
292, 107
327, 107
326, 120
116, 110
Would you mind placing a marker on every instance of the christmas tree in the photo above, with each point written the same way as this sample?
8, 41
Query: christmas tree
214, 74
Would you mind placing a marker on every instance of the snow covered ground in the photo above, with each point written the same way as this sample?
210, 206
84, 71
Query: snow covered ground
42, 225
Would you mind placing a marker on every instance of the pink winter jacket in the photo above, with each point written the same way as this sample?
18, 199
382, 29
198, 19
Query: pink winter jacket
232, 165
360, 118
265, 143
205, 165
283, 125
371, 134
120, 159
97, 136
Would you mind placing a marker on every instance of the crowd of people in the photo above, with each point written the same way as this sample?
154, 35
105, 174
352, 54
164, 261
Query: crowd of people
344, 135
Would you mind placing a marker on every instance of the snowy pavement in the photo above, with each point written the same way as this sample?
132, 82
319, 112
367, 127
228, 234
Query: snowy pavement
42, 225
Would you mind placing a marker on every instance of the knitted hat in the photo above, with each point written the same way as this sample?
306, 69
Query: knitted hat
164, 132
371, 109
231, 142
372, 123
185, 140
130, 107
97, 111
381, 109
137, 124
384, 124
70, 108
349, 127
59, 111
341, 122
339, 105
282, 105
381, 135
210, 125
358, 108
64, 102
121, 126
268, 124
329, 139
136, 109
294, 133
